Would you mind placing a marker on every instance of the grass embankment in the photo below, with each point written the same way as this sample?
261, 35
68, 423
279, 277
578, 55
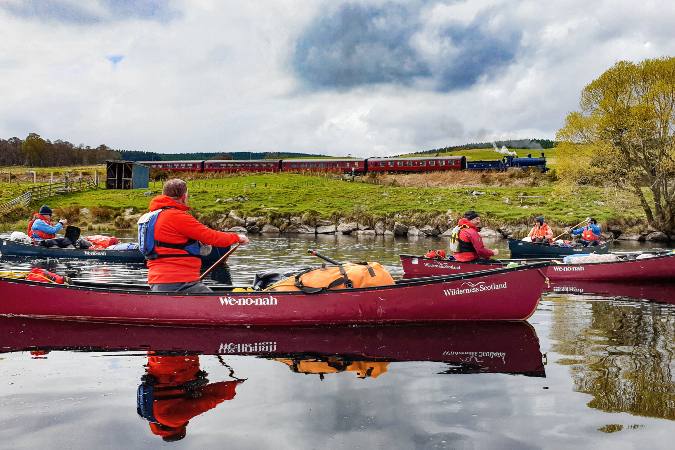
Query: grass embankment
278, 196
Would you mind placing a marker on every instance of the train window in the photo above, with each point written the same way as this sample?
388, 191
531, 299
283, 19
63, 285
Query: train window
423, 163
432, 163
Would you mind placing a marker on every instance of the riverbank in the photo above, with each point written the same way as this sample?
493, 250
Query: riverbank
293, 203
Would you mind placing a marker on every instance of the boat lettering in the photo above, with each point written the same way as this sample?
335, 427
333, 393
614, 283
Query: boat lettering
90, 253
248, 347
568, 289
568, 268
441, 265
248, 301
415, 261
476, 356
469, 288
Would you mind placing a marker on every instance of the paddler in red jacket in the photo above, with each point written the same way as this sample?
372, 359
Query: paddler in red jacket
174, 390
170, 238
471, 246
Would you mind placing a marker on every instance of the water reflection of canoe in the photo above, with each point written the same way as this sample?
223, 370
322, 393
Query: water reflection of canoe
18, 249
656, 268
502, 294
658, 292
523, 249
506, 347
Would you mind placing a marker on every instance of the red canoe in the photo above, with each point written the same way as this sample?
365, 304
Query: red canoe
469, 347
656, 268
502, 294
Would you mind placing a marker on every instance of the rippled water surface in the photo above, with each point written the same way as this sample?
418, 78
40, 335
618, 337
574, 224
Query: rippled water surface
589, 370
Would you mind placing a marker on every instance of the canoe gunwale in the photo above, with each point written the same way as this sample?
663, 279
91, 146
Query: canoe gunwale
551, 261
403, 283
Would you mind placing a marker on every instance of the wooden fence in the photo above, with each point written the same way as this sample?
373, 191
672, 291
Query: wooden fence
36, 193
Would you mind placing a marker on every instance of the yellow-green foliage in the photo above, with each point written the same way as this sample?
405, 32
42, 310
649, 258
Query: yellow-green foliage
624, 135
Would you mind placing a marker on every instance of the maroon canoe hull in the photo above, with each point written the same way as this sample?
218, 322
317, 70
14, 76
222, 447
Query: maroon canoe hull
504, 347
657, 268
662, 292
495, 295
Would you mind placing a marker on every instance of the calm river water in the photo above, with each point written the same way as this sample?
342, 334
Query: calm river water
593, 368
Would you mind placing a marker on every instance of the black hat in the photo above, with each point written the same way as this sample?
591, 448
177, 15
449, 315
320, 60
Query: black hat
540, 219
592, 220
45, 210
470, 215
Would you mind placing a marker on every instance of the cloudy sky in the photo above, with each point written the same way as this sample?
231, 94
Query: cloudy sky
361, 77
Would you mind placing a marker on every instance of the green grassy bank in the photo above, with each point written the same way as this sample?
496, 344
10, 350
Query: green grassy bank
313, 197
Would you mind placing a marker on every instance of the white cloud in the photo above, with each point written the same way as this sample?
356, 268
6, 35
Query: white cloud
218, 76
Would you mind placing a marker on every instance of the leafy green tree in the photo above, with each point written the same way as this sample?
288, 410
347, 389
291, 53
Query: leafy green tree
34, 149
624, 135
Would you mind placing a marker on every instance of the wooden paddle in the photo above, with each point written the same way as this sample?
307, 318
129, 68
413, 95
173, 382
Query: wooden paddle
220, 260
571, 228
325, 258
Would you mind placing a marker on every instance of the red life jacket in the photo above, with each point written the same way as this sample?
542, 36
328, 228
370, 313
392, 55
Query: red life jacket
40, 234
44, 276
588, 235
540, 232
437, 254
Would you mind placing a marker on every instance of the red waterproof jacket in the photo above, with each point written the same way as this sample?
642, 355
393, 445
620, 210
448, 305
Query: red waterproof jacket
470, 236
173, 408
175, 226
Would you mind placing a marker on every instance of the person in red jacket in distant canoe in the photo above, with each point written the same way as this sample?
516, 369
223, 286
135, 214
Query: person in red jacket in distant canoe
471, 246
174, 260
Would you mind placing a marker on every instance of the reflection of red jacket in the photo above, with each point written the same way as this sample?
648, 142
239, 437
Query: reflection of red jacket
175, 226
470, 235
173, 405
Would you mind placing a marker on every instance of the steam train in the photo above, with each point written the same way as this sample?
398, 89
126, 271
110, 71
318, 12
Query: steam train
353, 166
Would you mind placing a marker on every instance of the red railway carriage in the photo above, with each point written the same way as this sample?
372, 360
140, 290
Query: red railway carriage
231, 166
423, 164
324, 165
175, 166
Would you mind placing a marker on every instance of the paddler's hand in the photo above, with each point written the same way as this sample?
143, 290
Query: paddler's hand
496, 252
243, 239
63, 222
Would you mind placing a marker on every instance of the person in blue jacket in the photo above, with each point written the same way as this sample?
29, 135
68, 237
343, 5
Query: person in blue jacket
590, 234
42, 232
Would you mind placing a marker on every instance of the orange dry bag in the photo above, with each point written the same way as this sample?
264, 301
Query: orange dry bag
345, 276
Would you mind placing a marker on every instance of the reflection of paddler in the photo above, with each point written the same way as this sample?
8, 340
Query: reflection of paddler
174, 390
363, 369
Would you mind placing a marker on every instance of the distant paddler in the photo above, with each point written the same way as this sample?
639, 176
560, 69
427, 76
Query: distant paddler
590, 234
42, 232
466, 243
541, 232
171, 239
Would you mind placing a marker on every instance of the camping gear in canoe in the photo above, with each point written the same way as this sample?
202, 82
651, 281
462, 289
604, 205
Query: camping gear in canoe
469, 347
623, 267
502, 294
524, 249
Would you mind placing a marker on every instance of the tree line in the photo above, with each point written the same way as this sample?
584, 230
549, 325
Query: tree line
35, 151
534, 144
133, 155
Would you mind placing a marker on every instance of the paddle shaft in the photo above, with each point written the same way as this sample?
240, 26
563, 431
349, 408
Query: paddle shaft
580, 223
325, 258
220, 261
